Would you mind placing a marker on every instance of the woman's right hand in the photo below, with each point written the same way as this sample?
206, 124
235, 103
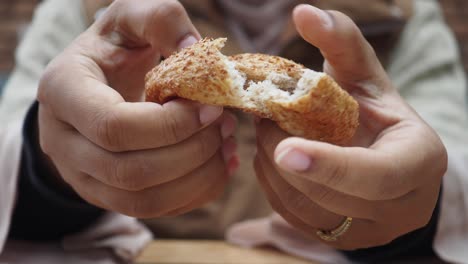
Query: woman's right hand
117, 152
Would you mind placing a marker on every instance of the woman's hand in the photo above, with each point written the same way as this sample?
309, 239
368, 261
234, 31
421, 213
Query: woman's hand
387, 179
117, 152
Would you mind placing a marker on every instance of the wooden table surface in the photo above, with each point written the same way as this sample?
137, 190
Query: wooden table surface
210, 252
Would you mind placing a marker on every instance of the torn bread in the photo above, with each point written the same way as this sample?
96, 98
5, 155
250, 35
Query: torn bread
303, 102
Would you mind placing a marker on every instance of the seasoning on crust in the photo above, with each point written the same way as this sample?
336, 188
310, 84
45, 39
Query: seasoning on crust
303, 102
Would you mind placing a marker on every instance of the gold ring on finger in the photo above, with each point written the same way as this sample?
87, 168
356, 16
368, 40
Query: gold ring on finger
333, 235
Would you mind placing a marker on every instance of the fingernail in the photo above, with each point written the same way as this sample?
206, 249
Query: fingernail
209, 113
229, 149
187, 42
228, 127
293, 160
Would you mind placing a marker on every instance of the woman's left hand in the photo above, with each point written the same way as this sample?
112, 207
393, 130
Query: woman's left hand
387, 180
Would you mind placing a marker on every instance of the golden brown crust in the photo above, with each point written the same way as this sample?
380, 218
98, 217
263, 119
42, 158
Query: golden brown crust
197, 73
326, 113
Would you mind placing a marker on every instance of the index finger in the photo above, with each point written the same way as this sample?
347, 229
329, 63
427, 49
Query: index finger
102, 115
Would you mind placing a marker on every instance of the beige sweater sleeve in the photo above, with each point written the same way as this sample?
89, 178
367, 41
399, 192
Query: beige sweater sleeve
56, 23
426, 68
10, 154
50, 32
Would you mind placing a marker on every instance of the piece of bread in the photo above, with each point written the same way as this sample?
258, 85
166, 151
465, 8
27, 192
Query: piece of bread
303, 102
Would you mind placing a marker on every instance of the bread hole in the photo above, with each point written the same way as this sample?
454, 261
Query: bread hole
246, 86
290, 90
277, 86
282, 87
283, 82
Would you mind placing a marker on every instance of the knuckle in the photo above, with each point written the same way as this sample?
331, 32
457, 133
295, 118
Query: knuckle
325, 195
173, 129
117, 173
336, 175
437, 153
49, 79
127, 174
44, 85
442, 155
388, 186
442, 159
108, 132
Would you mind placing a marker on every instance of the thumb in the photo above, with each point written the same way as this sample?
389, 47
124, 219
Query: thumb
349, 58
365, 173
129, 39
163, 24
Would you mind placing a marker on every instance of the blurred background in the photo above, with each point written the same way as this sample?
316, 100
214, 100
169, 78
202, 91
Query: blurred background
16, 14
14, 18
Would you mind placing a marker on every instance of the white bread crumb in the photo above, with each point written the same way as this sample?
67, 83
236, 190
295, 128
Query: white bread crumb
278, 87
